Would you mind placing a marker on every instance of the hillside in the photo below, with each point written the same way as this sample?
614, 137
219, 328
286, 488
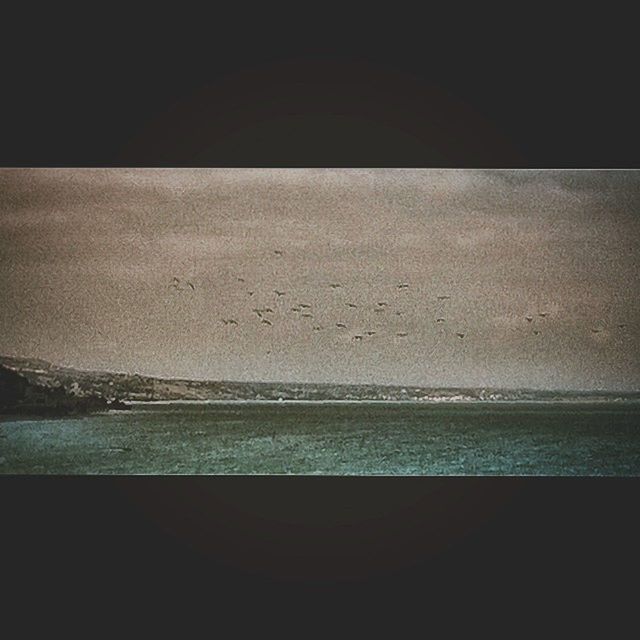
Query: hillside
109, 387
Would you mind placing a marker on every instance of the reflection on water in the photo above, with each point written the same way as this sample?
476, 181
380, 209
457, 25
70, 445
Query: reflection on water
335, 439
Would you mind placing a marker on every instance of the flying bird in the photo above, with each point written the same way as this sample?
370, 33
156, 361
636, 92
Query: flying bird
317, 328
341, 325
240, 279
382, 304
460, 335
351, 305
230, 321
536, 333
444, 297
258, 312
265, 321
279, 293
250, 292
357, 338
370, 333
191, 285
595, 330
295, 309
277, 252
401, 334
543, 315
302, 305
399, 313
403, 285
335, 285
528, 318
439, 319
307, 315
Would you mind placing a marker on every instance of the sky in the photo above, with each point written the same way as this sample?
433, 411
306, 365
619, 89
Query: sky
88, 259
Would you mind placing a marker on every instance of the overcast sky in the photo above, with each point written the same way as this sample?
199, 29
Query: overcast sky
87, 257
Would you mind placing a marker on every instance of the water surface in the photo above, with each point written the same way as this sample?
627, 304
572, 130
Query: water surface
332, 438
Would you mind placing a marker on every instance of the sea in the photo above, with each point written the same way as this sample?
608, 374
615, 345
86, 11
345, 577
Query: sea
332, 438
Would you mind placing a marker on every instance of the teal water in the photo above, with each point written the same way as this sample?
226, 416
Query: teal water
334, 439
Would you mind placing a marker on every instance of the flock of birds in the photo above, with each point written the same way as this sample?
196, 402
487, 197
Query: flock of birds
266, 315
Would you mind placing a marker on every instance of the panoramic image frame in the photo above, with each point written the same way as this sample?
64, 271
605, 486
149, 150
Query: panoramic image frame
319, 321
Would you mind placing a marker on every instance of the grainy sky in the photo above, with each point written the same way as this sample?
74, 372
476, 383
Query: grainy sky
88, 256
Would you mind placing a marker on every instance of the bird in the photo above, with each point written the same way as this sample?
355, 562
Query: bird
370, 333
536, 333
595, 330
230, 321
278, 252
444, 297
318, 328
543, 315
258, 312
335, 285
382, 304
295, 309
351, 305
460, 335
439, 319
240, 279
403, 285
175, 284
341, 325
267, 310
401, 334
303, 305
250, 292
307, 315
191, 285
265, 321
528, 318
279, 293
399, 313
357, 338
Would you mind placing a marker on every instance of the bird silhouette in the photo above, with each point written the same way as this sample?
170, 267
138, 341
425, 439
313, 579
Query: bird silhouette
278, 252
351, 305
230, 321
528, 318
303, 305
307, 315
382, 304
267, 310
357, 338
595, 330
341, 325
265, 321
317, 328
403, 285
335, 285
370, 333
240, 279
444, 297
189, 284
543, 315
295, 309
401, 334
250, 292
279, 293
536, 332
460, 335
258, 312
439, 319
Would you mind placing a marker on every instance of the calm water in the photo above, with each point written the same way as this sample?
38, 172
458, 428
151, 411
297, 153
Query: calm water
336, 439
